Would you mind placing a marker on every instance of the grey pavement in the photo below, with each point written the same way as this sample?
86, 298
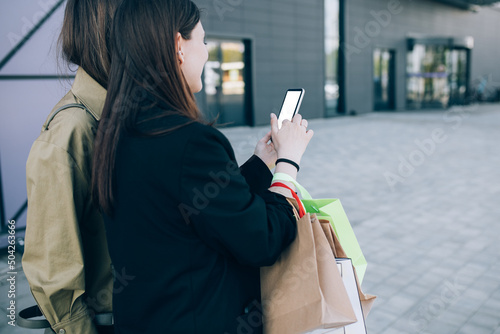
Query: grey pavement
419, 189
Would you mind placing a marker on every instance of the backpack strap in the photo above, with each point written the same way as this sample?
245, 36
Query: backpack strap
25, 318
67, 106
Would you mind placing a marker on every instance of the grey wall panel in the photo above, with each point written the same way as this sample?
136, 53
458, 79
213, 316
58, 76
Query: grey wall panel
288, 44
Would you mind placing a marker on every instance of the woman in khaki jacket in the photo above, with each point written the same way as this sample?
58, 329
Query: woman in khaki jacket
66, 260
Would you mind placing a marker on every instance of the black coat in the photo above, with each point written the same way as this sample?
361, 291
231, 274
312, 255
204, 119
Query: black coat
189, 232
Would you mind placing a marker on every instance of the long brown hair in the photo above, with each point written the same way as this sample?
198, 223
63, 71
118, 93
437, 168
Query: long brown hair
144, 68
84, 37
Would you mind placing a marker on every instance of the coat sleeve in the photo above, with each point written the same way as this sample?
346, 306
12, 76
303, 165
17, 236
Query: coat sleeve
257, 174
53, 258
219, 204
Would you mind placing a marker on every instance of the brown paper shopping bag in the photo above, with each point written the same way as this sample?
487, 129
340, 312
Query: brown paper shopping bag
303, 290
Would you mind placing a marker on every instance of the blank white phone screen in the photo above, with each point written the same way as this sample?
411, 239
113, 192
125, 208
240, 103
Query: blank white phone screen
288, 108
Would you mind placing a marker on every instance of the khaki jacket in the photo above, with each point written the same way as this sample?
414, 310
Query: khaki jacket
66, 259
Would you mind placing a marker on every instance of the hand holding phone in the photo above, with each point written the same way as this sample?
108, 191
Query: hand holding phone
291, 141
291, 105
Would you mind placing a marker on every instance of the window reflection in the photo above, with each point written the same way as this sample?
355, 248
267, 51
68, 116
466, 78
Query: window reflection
331, 56
228, 74
212, 69
232, 68
383, 79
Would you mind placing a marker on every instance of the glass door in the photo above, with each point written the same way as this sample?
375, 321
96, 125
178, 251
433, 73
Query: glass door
437, 76
225, 83
428, 77
458, 75
383, 79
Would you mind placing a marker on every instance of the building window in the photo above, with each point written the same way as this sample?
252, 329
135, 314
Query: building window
332, 91
383, 79
227, 88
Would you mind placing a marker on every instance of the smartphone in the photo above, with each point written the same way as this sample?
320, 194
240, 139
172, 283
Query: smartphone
291, 105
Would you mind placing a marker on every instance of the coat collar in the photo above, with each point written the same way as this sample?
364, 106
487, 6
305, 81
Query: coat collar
90, 93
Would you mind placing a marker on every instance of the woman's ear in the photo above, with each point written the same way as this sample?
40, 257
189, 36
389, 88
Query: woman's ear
180, 54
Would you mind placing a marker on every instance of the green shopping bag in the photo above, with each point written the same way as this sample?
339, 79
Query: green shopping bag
332, 210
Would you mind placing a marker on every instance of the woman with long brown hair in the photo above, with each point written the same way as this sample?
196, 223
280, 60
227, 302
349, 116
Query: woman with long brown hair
66, 260
182, 219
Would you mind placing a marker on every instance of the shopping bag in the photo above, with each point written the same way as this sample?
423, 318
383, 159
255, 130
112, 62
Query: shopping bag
349, 278
332, 210
303, 290
366, 300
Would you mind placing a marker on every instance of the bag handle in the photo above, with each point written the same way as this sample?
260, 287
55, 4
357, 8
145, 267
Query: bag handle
302, 211
285, 177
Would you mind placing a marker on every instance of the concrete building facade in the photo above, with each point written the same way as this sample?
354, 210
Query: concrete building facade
428, 53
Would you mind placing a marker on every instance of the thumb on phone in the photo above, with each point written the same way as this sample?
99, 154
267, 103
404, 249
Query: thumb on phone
274, 124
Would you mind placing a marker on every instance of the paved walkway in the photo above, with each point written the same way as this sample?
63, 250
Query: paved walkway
419, 189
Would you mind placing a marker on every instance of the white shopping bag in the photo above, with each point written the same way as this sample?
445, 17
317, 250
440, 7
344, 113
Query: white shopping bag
349, 279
